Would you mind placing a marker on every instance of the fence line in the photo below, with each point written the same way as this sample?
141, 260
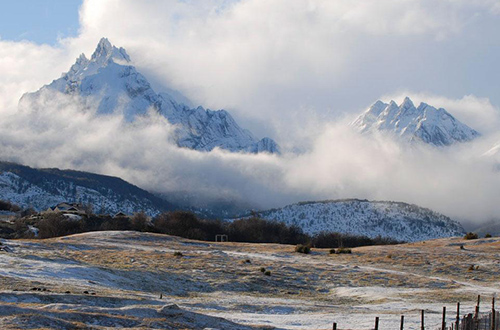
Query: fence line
472, 321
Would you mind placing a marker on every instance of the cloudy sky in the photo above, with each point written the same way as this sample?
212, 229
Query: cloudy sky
296, 71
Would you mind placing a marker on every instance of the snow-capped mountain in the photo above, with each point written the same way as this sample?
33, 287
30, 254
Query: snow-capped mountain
43, 188
396, 220
423, 123
109, 81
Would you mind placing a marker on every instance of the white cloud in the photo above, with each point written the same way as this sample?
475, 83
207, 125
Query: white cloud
341, 163
25, 67
262, 59
292, 67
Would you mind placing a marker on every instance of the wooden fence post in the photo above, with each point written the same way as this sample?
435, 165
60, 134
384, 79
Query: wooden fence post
334, 326
476, 316
443, 323
493, 319
376, 323
402, 322
422, 327
457, 322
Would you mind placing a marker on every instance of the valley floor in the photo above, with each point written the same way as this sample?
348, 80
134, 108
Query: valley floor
115, 279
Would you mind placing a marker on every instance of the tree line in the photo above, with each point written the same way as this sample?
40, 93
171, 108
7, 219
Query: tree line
188, 225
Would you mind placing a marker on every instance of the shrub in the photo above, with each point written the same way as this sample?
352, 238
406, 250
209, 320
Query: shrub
139, 222
267, 273
332, 251
343, 250
4, 206
301, 248
178, 254
8, 206
187, 225
54, 225
117, 223
257, 230
262, 269
487, 236
335, 240
471, 235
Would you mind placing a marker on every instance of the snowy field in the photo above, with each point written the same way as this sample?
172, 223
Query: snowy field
133, 280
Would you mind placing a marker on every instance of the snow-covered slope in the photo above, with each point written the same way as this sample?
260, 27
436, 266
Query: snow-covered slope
423, 123
110, 83
400, 221
43, 188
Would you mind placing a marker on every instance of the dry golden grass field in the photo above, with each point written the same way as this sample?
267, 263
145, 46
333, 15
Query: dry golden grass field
134, 280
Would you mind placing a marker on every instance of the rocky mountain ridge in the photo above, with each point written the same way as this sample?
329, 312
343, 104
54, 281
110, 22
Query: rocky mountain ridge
424, 123
43, 188
110, 83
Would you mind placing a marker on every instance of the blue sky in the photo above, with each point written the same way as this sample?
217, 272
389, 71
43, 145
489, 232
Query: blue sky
39, 21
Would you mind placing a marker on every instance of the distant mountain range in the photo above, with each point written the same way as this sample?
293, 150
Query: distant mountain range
43, 188
423, 123
396, 220
108, 81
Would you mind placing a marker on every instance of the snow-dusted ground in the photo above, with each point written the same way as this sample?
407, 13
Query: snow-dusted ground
43, 282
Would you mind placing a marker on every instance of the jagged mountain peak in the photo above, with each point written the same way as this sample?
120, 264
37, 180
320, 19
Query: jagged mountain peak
407, 103
109, 81
425, 123
104, 55
82, 59
106, 51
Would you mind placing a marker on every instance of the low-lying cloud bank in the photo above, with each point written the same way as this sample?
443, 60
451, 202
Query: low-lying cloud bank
63, 132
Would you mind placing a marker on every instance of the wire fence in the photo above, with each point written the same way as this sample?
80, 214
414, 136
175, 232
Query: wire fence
471, 321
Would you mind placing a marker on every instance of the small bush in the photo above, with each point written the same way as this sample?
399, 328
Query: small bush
55, 225
471, 235
301, 248
462, 247
471, 268
344, 250
140, 222
487, 236
8, 206
267, 273
332, 251
248, 261
178, 254
335, 240
262, 269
